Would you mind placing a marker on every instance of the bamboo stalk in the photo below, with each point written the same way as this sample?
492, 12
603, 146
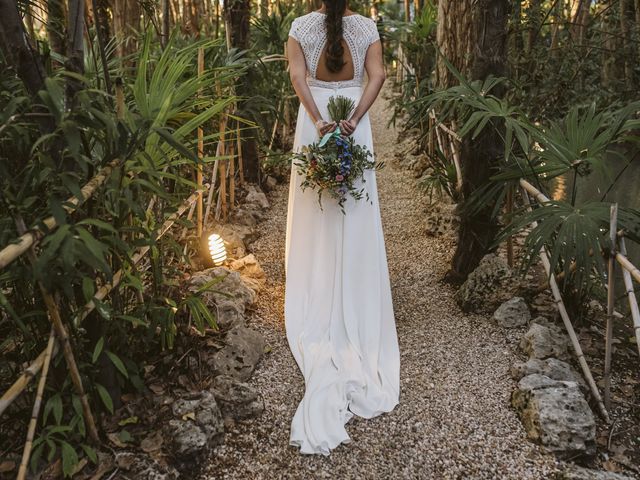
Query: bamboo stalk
628, 266
610, 307
232, 178
214, 175
240, 160
199, 212
510, 238
32, 237
63, 336
119, 99
35, 412
566, 320
223, 189
631, 294
25, 378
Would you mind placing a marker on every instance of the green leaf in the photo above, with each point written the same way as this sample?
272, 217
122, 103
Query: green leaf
97, 350
90, 452
69, 459
117, 362
88, 288
105, 397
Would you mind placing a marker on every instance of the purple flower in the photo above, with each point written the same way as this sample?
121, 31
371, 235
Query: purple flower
339, 178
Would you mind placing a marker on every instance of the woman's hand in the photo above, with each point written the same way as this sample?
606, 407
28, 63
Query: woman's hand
347, 127
325, 127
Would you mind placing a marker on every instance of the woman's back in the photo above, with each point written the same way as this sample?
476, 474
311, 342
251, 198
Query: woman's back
358, 33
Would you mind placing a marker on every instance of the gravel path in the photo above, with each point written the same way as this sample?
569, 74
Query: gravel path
454, 419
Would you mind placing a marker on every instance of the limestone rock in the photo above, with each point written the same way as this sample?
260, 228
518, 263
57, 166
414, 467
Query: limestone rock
580, 473
512, 313
196, 428
237, 238
544, 340
237, 400
228, 298
551, 367
270, 183
556, 414
256, 196
250, 270
242, 352
442, 220
249, 214
142, 466
489, 285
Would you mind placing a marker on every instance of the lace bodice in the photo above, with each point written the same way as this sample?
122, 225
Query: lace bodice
358, 32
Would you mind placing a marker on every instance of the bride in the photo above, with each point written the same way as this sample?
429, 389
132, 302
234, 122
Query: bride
339, 315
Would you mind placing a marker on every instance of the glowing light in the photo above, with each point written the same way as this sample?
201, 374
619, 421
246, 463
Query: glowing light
216, 249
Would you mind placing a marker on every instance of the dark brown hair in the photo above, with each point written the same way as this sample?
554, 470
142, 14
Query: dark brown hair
333, 22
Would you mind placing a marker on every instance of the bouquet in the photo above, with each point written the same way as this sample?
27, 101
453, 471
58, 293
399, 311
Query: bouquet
335, 163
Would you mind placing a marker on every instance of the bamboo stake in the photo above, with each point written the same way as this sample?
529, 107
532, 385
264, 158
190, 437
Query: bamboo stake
35, 412
23, 380
32, 237
199, 219
610, 307
566, 320
63, 336
631, 294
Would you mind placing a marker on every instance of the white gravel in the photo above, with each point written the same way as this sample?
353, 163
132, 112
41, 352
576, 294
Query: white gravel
454, 418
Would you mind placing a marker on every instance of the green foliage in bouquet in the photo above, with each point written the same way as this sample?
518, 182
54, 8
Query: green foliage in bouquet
336, 163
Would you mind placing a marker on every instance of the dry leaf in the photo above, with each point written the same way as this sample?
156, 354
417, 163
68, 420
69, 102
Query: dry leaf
7, 466
189, 416
157, 389
611, 466
152, 442
115, 439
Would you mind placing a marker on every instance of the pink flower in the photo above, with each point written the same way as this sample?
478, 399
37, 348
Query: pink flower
339, 178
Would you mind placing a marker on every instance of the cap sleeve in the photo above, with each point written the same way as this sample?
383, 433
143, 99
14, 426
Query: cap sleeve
294, 31
374, 35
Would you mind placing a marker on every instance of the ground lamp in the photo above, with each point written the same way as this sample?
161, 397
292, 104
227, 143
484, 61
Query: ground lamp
217, 250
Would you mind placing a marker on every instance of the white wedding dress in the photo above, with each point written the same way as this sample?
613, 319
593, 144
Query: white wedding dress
338, 310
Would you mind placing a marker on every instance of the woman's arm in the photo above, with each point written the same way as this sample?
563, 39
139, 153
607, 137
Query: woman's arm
374, 66
298, 75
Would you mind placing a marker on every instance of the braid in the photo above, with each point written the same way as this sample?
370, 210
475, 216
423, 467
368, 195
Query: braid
335, 50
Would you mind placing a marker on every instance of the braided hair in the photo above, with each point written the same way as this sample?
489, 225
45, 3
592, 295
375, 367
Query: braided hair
333, 22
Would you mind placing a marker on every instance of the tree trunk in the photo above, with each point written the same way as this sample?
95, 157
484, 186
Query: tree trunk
628, 55
558, 19
237, 16
534, 14
580, 19
610, 69
126, 20
75, 51
454, 41
479, 156
16, 49
56, 26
